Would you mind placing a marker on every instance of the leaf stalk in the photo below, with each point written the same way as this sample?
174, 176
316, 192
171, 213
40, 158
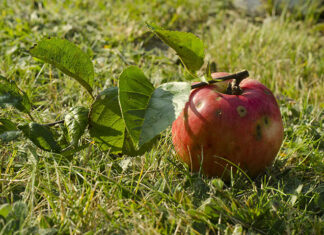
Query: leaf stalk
238, 77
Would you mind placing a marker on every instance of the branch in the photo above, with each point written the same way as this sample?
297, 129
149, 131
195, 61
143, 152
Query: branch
53, 123
237, 76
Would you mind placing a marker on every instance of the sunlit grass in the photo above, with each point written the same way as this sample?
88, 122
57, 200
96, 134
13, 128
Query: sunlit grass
99, 193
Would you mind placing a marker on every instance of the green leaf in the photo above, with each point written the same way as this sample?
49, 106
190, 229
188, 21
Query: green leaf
19, 211
167, 102
8, 136
130, 150
135, 92
189, 47
7, 125
8, 131
148, 111
5, 209
108, 128
76, 121
106, 124
62, 136
10, 94
67, 57
15, 219
41, 136
218, 184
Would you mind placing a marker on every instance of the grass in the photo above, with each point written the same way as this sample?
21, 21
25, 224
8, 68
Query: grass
99, 193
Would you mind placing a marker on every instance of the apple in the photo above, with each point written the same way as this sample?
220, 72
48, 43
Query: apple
220, 130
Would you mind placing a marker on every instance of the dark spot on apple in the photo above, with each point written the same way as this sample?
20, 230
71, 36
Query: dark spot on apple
218, 113
241, 111
266, 120
258, 132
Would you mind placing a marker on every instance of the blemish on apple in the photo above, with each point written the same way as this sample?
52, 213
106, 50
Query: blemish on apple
258, 132
266, 121
218, 113
241, 111
199, 105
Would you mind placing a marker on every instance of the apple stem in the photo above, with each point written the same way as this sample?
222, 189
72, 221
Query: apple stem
236, 89
232, 88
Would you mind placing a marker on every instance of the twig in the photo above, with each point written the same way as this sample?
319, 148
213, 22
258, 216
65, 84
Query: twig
237, 76
53, 123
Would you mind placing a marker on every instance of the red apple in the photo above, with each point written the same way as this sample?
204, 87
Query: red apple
218, 131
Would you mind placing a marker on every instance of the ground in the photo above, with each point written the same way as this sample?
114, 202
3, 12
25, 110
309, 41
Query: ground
95, 192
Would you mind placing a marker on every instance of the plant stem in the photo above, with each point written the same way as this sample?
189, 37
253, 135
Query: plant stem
30, 116
237, 76
53, 123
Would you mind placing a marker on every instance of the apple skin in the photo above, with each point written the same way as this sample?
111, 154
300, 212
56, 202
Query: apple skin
244, 129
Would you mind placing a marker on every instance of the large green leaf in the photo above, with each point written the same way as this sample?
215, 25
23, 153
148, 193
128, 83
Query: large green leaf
66, 56
148, 111
41, 136
106, 124
135, 92
166, 103
76, 121
189, 47
11, 95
